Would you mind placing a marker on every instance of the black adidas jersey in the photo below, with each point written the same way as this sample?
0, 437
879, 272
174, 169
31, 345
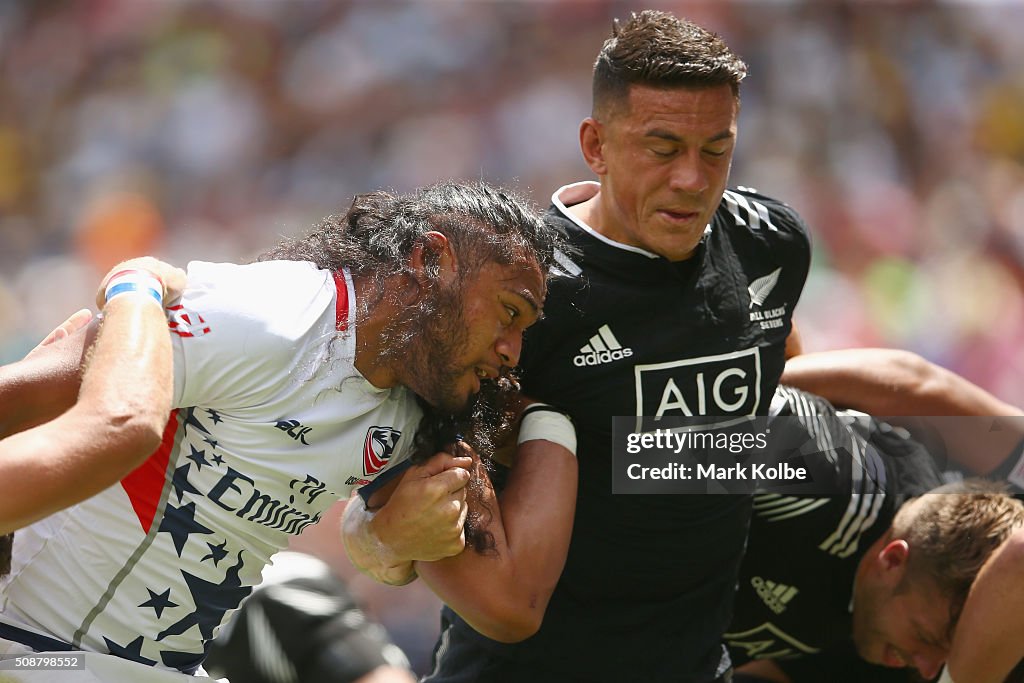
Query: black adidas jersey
648, 584
796, 581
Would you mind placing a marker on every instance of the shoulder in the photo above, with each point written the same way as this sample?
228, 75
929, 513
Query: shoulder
746, 207
282, 298
274, 281
754, 225
242, 330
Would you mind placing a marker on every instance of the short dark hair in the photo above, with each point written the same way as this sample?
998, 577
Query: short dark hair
659, 49
952, 531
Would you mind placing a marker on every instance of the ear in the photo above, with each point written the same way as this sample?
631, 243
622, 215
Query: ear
432, 259
892, 559
592, 135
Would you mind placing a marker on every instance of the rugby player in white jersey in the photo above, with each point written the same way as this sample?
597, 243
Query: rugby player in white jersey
296, 380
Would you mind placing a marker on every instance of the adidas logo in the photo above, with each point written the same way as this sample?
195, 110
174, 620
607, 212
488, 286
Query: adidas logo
603, 347
775, 595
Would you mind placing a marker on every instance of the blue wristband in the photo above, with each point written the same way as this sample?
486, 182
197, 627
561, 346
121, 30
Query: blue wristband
140, 281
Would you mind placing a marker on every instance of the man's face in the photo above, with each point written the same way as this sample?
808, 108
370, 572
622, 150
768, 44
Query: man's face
664, 166
901, 625
473, 333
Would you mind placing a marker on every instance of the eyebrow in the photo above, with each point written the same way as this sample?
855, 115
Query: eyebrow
528, 296
672, 137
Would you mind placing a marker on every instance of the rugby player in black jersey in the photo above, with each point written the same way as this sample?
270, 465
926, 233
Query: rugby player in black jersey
851, 571
677, 301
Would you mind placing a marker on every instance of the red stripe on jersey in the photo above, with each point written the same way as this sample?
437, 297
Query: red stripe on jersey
341, 302
145, 483
372, 463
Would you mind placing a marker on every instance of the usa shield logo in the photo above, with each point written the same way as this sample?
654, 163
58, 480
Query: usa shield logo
378, 447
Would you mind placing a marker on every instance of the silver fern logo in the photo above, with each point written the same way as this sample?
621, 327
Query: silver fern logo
760, 288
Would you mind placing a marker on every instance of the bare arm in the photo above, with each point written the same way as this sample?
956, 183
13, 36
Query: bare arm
116, 422
987, 643
899, 384
503, 595
45, 383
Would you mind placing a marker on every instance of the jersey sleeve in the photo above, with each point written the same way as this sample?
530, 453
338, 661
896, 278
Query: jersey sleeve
795, 238
240, 332
768, 223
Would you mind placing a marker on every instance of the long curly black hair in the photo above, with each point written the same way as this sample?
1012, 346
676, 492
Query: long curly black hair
374, 240
6, 543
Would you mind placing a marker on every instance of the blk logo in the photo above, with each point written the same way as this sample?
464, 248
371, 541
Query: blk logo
294, 429
378, 447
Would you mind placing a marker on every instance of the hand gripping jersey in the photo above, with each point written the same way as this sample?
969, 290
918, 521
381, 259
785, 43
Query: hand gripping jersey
647, 588
272, 424
796, 582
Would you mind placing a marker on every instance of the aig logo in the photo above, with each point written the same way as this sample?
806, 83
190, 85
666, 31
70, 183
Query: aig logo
726, 384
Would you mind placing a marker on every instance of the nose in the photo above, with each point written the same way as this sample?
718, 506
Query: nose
508, 347
688, 174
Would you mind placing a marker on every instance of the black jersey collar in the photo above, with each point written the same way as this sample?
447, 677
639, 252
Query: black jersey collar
625, 259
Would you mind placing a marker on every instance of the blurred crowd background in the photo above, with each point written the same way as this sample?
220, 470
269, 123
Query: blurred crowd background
208, 130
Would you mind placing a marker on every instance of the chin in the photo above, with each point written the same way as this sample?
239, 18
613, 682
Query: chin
870, 652
865, 648
457, 404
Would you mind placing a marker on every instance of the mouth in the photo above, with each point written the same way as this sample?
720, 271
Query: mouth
677, 216
892, 658
485, 372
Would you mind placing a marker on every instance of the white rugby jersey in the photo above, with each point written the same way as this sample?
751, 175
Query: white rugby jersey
272, 424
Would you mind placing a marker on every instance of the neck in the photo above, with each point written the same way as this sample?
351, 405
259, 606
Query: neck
589, 212
370, 361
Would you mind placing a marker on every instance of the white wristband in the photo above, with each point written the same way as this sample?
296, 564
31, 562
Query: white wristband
541, 421
945, 677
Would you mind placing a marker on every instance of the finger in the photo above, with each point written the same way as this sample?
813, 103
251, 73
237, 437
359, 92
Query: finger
452, 480
77, 321
460, 449
439, 462
464, 462
174, 284
454, 546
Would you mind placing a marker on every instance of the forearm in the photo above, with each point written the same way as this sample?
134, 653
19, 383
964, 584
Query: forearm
43, 385
906, 390
117, 421
890, 382
65, 461
129, 381
366, 551
504, 594
987, 643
